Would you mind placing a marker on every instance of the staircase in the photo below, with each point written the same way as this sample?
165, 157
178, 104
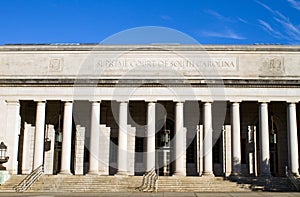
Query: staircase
199, 184
11, 183
71, 183
87, 183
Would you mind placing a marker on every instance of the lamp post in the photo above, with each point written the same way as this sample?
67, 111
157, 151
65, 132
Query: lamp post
3, 157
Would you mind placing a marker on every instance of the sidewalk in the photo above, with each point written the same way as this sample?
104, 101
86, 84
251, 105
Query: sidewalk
162, 194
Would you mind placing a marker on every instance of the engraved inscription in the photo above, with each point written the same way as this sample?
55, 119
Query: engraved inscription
162, 64
55, 64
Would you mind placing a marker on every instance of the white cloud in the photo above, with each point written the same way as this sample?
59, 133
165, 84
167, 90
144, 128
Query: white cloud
166, 17
285, 28
225, 34
267, 27
295, 4
290, 28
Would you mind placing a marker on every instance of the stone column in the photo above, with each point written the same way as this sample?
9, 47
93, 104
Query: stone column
293, 138
67, 139
151, 136
122, 152
207, 142
179, 141
12, 131
236, 139
49, 155
94, 139
39, 134
264, 140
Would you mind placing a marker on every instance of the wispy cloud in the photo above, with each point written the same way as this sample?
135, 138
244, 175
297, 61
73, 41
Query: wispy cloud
166, 17
243, 20
218, 16
287, 30
225, 34
267, 27
295, 4
223, 18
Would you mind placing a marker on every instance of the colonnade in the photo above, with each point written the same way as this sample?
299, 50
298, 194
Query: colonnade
13, 109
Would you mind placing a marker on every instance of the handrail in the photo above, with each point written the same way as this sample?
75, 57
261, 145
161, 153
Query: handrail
29, 179
150, 180
292, 178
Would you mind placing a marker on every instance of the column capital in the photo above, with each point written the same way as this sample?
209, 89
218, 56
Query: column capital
67, 101
178, 101
95, 101
123, 101
39, 100
292, 102
12, 101
235, 101
207, 101
264, 101
151, 101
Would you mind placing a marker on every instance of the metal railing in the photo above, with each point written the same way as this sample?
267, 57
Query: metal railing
29, 179
295, 181
149, 182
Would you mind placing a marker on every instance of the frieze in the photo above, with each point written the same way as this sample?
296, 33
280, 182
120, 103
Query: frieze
167, 64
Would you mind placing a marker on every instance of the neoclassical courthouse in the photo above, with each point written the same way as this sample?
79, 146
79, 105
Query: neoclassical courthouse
186, 110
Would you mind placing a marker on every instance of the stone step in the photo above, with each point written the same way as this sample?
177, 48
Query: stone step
117, 184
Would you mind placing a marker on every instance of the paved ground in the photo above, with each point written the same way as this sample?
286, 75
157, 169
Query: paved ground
163, 194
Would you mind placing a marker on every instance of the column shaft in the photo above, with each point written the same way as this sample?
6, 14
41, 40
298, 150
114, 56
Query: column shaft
264, 140
236, 139
151, 136
122, 153
94, 138
39, 134
67, 139
179, 141
293, 138
207, 145
11, 135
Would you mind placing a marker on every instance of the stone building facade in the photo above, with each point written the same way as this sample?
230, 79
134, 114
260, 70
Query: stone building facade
186, 110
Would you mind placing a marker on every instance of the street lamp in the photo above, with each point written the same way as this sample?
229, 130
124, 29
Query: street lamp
3, 157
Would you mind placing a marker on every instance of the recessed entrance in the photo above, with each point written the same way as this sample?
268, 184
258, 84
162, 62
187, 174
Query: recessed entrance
164, 149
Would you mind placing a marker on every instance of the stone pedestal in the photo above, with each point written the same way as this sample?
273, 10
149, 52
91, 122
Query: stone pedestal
4, 176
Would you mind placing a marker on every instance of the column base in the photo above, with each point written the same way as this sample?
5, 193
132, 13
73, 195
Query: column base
103, 173
179, 174
295, 174
93, 173
65, 173
265, 176
208, 174
235, 174
122, 173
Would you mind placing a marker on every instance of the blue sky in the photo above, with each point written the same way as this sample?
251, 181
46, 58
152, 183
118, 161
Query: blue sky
207, 21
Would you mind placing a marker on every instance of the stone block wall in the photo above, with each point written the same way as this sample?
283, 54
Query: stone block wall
49, 154
104, 147
28, 148
79, 150
130, 149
